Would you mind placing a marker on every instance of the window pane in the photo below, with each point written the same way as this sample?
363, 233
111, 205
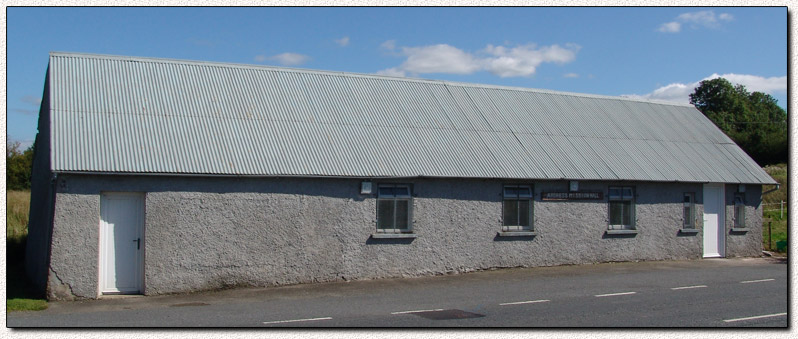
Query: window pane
523, 212
739, 215
402, 191
688, 198
627, 213
688, 216
524, 192
384, 213
615, 192
386, 191
616, 209
739, 210
511, 192
402, 214
627, 193
510, 212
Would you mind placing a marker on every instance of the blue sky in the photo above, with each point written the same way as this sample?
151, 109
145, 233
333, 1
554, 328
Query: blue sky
656, 53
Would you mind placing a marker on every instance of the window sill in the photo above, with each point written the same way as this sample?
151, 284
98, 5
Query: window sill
688, 231
740, 229
517, 234
394, 235
613, 232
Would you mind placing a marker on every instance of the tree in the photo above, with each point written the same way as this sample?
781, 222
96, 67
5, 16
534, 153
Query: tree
753, 120
18, 167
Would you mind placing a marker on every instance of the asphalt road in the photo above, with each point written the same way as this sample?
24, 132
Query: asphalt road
697, 293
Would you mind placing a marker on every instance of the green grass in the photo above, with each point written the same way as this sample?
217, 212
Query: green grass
772, 214
19, 294
17, 206
26, 304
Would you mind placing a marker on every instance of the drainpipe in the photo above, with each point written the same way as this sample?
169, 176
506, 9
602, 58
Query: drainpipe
773, 190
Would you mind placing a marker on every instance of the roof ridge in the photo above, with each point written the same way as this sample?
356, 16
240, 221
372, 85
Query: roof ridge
355, 74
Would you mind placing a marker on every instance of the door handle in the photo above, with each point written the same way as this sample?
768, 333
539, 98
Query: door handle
138, 243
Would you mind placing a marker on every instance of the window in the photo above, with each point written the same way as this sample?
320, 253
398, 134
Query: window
517, 208
689, 210
739, 210
622, 208
394, 209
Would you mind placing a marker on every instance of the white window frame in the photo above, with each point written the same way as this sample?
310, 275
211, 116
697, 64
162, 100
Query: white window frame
395, 198
739, 210
627, 193
689, 221
516, 199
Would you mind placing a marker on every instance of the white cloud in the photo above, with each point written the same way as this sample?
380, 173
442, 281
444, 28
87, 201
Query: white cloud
704, 18
440, 58
676, 92
756, 83
670, 27
388, 45
394, 72
570, 75
343, 42
285, 59
680, 92
695, 20
499, 60
524, 60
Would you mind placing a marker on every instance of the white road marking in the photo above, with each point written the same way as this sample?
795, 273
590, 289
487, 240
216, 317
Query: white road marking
756, 281
756, 317
614, 294
417, 311
524, 302
688, 287
295, 320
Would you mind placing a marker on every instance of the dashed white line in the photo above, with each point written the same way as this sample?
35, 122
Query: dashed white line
688, 287
418, 311
756, 317
295, 320
614, 294
524, 302
755, 281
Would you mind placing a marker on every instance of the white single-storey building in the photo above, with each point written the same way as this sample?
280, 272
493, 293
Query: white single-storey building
160, 176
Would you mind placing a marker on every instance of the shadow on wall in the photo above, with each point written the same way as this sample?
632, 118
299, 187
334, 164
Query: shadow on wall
399, 241
617, 236
94, 184
517, 238
477, 190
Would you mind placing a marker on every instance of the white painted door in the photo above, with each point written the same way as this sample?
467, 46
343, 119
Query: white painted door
714, 221
121, 242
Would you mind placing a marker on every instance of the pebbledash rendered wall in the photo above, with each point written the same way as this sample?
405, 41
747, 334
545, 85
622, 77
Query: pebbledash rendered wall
205, 233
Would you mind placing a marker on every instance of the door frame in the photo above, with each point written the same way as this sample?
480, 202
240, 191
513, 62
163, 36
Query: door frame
721, 225
103, 233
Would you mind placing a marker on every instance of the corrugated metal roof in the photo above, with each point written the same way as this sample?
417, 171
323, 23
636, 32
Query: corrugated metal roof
160, 116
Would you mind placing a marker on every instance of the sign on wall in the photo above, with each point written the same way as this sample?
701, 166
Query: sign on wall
573, 195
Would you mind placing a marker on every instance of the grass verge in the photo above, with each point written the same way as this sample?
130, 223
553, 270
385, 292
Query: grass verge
19, 294
772, 213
